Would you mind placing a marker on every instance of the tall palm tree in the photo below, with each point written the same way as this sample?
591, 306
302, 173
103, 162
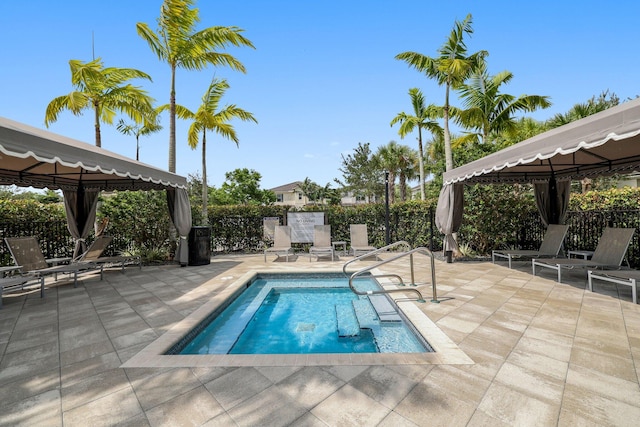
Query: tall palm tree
103, 90
138, 130
423, 118
451, 68
487, 111
211, 117
178, 44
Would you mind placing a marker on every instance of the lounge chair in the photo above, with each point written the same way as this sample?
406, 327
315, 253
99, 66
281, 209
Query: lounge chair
620, 277
360, 240
550, 247
609, 253
96, 249
281, 243
26, 252
321, 242
14, 284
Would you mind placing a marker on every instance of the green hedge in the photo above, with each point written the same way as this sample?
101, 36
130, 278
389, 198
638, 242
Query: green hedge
495, 217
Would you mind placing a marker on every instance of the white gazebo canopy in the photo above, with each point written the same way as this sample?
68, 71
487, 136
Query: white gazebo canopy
604, 143
31, 157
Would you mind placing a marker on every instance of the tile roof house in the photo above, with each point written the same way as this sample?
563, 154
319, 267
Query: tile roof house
290, 194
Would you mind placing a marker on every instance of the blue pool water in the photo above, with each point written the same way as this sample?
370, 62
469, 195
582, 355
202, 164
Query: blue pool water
302, 314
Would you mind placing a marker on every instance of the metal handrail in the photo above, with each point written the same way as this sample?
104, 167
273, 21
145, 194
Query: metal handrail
374, 252
410, 253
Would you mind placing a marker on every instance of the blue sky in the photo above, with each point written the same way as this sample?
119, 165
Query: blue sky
323, 75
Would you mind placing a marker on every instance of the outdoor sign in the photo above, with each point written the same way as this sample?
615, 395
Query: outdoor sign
269, 224
302, 225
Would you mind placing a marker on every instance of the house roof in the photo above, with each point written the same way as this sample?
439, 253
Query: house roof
293, 186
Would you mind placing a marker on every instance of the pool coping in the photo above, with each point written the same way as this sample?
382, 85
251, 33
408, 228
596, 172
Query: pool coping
153, 355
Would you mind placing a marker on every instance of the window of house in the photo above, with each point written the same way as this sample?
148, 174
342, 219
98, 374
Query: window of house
279, 197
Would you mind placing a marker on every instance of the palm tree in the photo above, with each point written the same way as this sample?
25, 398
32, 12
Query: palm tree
399, 161
451, 68
211, 117
423, 118
487, 110
178, 44
585, 109
138, 130
103, 90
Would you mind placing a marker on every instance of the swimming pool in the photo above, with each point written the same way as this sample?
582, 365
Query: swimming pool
302, 313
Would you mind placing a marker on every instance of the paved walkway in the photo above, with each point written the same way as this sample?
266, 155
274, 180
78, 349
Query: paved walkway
545, 354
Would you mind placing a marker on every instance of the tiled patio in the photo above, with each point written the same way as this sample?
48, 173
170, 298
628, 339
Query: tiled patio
544, 354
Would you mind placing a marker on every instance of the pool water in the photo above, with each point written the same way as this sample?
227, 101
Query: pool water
303, 314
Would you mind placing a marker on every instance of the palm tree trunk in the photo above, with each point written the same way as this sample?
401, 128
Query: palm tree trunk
172, 122
97, 124
403, 187
392, 187
205, 188
421, 163
447, 136
137, 148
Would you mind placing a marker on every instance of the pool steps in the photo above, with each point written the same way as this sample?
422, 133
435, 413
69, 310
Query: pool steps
363, 314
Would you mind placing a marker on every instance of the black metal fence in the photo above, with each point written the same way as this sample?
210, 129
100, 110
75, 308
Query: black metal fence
585, 228
53, 236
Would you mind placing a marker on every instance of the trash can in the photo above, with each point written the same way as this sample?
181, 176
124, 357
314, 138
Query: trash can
200, 246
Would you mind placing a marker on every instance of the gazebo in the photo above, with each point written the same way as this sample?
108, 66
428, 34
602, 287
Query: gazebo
604, 143
31, 157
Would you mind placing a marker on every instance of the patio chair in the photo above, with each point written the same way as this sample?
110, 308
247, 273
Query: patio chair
281, 243
549, 248
96, 249
321, 242
620, 277
18, 284
609, 253
26, 252
360, 240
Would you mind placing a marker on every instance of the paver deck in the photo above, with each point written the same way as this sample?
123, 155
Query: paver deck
544, 353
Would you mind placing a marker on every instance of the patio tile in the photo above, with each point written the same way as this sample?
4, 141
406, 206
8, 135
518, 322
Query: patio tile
458, 383
206, 375
237, 386
89, 367
156, 389
92, 388
361, 410
393, 419
27, 387
606, 363
515, 408
345, 372
112, 409
425, 403
277, 373
546, 343
193, 408
582, 406
530, 383
539, 363
383, 385
141, 336
545, 353
87, 352
270, 407
38, 410
309, 386
81, 335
